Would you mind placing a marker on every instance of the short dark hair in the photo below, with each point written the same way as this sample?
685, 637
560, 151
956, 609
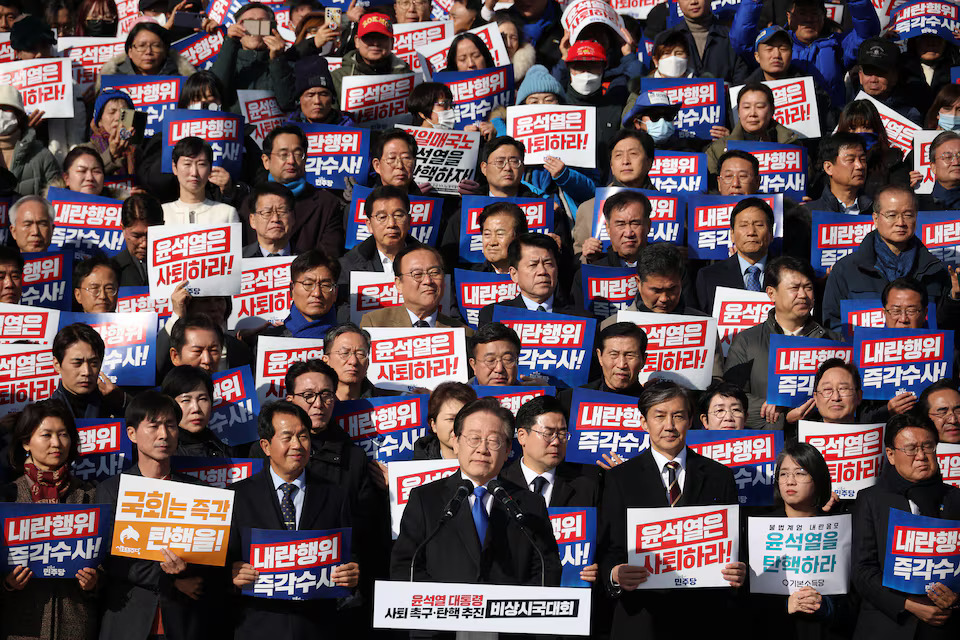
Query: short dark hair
838, 363
444, 391
287, 129
756, 86
489, 405
315, 365
270, 189
85, 267
660, 259
191, 147
153, 28
739, 154
74, 333
265, 430
493, 332
909, 284
947, 384
29, 421
661, 391
504, 208
818, 5
410, 248
149, 405
387, 136
902, 421
421, 100
831, 145
810, 460
254, 5
9, 254
622, 330
537, 240
752, 203
196, 86
198, 321
723, 389
185, 379
532, 409
475, 39
343, 328
625, 198
775, 268
78, 152
141, 207
941, 139
384, 192
502, 141
312, 259
649, 146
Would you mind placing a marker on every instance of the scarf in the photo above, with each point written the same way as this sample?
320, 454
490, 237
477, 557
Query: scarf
949, 197
926, 494
300, 327
533, 30
47, 486
296, 186
891, 265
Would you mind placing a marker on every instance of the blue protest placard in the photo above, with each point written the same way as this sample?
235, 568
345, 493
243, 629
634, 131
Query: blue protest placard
335, 153
666, 215
675, 171
604, 423
221, 129
539, 212
477, 93
235, 406
894, 361
54, 540
709, 235
201, 49
792, 366
385, 428
783, 167
134, 299
703, 103
105, 449
218, 472
869, 313
921, 551
131, 342
154, 95
424, 218
296, 565
751, 455
555, 346
926, 17
48, 280
477, 289
939, 231
575, 529
607, 290
513, 398
835, 236
85, 224
954, 75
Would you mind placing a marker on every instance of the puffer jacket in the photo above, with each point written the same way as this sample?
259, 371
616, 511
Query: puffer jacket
354, 65
33, 165
827, 58
120, 64
241, 69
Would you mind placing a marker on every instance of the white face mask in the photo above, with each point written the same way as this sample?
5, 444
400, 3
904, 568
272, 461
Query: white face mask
672, 66
8, 122
585, 83
446, 119
198, 106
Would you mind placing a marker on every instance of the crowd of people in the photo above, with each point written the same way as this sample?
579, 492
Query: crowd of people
315, 477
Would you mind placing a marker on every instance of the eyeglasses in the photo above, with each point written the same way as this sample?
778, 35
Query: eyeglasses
152, 46
443, 104
949, 158
310, 285
728, 178
842, 392
549, 435
945, 412
326, 397
94, 290
911, 449
507, 360
393, 161
736, 412
799, 476
500, 163
298, 155
494, 443
434, 273
911, 312
344, 354
381, 218
281, 212
893, 217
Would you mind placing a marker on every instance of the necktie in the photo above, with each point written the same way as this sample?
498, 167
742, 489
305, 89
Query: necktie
541, 308
480, 513
539, 484
753, 278
273, 255
421, 324
673, 486
287, 509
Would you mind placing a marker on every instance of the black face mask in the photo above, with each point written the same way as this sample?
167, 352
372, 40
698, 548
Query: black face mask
100, 28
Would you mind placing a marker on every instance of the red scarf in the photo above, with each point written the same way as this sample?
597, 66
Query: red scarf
47, 486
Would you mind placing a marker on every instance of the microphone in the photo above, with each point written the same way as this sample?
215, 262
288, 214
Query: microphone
464, 489
513, 509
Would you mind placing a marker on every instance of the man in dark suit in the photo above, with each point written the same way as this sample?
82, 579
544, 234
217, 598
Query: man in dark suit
667, 474
285, 496
138, 213
142, 598
751, 230
910, 483
273, 216
499, 224
482, 543
843, 158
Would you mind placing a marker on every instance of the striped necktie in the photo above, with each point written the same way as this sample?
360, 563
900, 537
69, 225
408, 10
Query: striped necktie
673, 483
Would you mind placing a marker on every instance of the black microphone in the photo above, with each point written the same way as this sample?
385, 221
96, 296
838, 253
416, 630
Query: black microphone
513, 509
464, 489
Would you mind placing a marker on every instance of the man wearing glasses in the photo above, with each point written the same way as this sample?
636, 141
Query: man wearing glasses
272, 219
945, 162
891, 251
347, 350
96, 284
313, 288
941, 403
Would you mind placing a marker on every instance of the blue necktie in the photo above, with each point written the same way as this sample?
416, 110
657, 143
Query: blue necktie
753, 278
287, 510
480, 513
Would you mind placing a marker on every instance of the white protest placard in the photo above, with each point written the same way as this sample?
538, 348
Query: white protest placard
88, 55
433, 56
788, 554
581, 13
736, 310
264, 292
679, 348
127, 13
900, 130
372, 290
407, 37
565, 132
7, 54
481, 608
44, 83
404, 477
405, 358
377, 101
683, 547
795, 105
22, 323
639, 9
948, 457
260, 109
207, 257
444, 158
921, 159
192, 521
26, 375
834, 11
853, 452
274, 357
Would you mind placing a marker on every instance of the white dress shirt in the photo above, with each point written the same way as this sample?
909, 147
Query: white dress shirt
385, 261
662, 461
487, 498
206, 212
430, 319
282, 252
533, 306
300, 483
530, 475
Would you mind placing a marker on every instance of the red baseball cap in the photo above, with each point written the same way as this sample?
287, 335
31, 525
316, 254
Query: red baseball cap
586, 51
375, 23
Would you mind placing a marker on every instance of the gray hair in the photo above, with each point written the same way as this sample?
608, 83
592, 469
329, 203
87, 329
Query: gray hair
346, 327
941, 139
15, 207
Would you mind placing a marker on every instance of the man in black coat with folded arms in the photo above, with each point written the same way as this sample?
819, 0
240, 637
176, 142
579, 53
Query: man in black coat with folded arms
285, 496
665, 475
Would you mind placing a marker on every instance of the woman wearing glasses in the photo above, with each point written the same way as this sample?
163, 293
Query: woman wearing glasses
147, 53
